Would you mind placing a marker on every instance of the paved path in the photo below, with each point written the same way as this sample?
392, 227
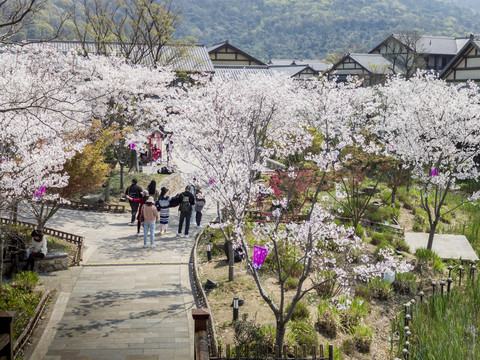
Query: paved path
124, 302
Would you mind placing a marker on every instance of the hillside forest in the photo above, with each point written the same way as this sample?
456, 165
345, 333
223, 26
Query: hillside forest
305, 29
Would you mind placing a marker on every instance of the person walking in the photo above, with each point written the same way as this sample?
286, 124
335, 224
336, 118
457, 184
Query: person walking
163, 206
186, 201
150, 213
199, 204
140, 203
133, 192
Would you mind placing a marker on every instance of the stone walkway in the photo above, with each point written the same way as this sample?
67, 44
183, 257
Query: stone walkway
125, 302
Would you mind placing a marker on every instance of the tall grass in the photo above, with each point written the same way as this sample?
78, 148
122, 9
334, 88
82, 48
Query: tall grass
446, 327
470, 227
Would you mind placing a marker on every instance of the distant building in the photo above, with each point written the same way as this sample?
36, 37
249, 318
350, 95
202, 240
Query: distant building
372, 68
465, 65
316, 65
413, 51
225, 54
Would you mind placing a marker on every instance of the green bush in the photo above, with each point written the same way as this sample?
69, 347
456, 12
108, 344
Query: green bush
352, 311
406, 283
26, 281
304, 333
300, 311
247, 332
362, 337
377, 238
401, 244
363, 291
379, 288
291, 283
360, 231
326, 289
348, 347
23, 302
328, 319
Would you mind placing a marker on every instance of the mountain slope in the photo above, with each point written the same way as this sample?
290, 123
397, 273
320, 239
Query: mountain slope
315, 28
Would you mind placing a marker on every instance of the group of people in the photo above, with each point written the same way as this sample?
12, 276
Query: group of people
146, 210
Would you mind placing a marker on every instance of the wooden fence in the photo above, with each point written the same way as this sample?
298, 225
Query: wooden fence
71, 238
77, 205
259, 352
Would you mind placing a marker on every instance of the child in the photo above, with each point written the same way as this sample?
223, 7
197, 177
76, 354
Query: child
163, 206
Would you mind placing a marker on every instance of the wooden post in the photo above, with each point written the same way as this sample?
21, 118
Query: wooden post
6, 334
200, 317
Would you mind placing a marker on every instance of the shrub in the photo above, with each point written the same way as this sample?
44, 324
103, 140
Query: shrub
432, 258
377, 238
406, 283
363, 291
26, 281
352, 311
360, 231
362, 337
401, 244
379, 288
247, 332
268, 332
291, 283
300, 311
348, 347
328, 319
304, 333
325, 289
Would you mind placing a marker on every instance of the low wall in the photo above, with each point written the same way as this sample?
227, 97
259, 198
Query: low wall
54, 261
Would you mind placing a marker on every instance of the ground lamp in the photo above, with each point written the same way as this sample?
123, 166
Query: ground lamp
259, 255
209, 252
235, 308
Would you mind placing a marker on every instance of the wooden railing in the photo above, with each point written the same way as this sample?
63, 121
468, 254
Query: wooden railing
77, 205
71, 238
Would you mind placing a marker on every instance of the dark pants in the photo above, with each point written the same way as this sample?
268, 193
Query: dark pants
31, 259
134, 207
184, 217
198, 217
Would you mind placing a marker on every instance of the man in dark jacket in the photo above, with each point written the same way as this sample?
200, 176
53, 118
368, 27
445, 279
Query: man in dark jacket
135, 192
186, 202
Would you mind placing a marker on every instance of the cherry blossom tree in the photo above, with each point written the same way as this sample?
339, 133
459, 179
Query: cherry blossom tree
433, 128
47, 97
227, 130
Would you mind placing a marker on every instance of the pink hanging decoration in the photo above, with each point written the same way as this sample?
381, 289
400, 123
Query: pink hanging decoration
40, 191
433, 172
211, 181
259, 255
132, 145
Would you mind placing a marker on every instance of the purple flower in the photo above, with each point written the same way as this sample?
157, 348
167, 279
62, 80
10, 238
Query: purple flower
433, 172
40, 191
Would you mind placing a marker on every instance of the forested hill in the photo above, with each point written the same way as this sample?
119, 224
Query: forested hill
313, 29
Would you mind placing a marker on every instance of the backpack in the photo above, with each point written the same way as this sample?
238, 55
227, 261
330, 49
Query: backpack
185, 204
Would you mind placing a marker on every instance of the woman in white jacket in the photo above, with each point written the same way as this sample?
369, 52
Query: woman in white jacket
37, 250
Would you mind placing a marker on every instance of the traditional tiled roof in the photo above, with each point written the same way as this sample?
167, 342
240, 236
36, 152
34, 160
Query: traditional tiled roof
214, 48
240, 72
426, 44
472, 42
317, 65
192, 58
292, 70
374, 63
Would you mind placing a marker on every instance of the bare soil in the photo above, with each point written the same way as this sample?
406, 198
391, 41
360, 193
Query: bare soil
220, 300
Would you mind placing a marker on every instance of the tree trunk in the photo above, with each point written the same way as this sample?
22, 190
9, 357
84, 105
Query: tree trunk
122, 182
433, 227
394, 195
280, 336
107, 191
231, 261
